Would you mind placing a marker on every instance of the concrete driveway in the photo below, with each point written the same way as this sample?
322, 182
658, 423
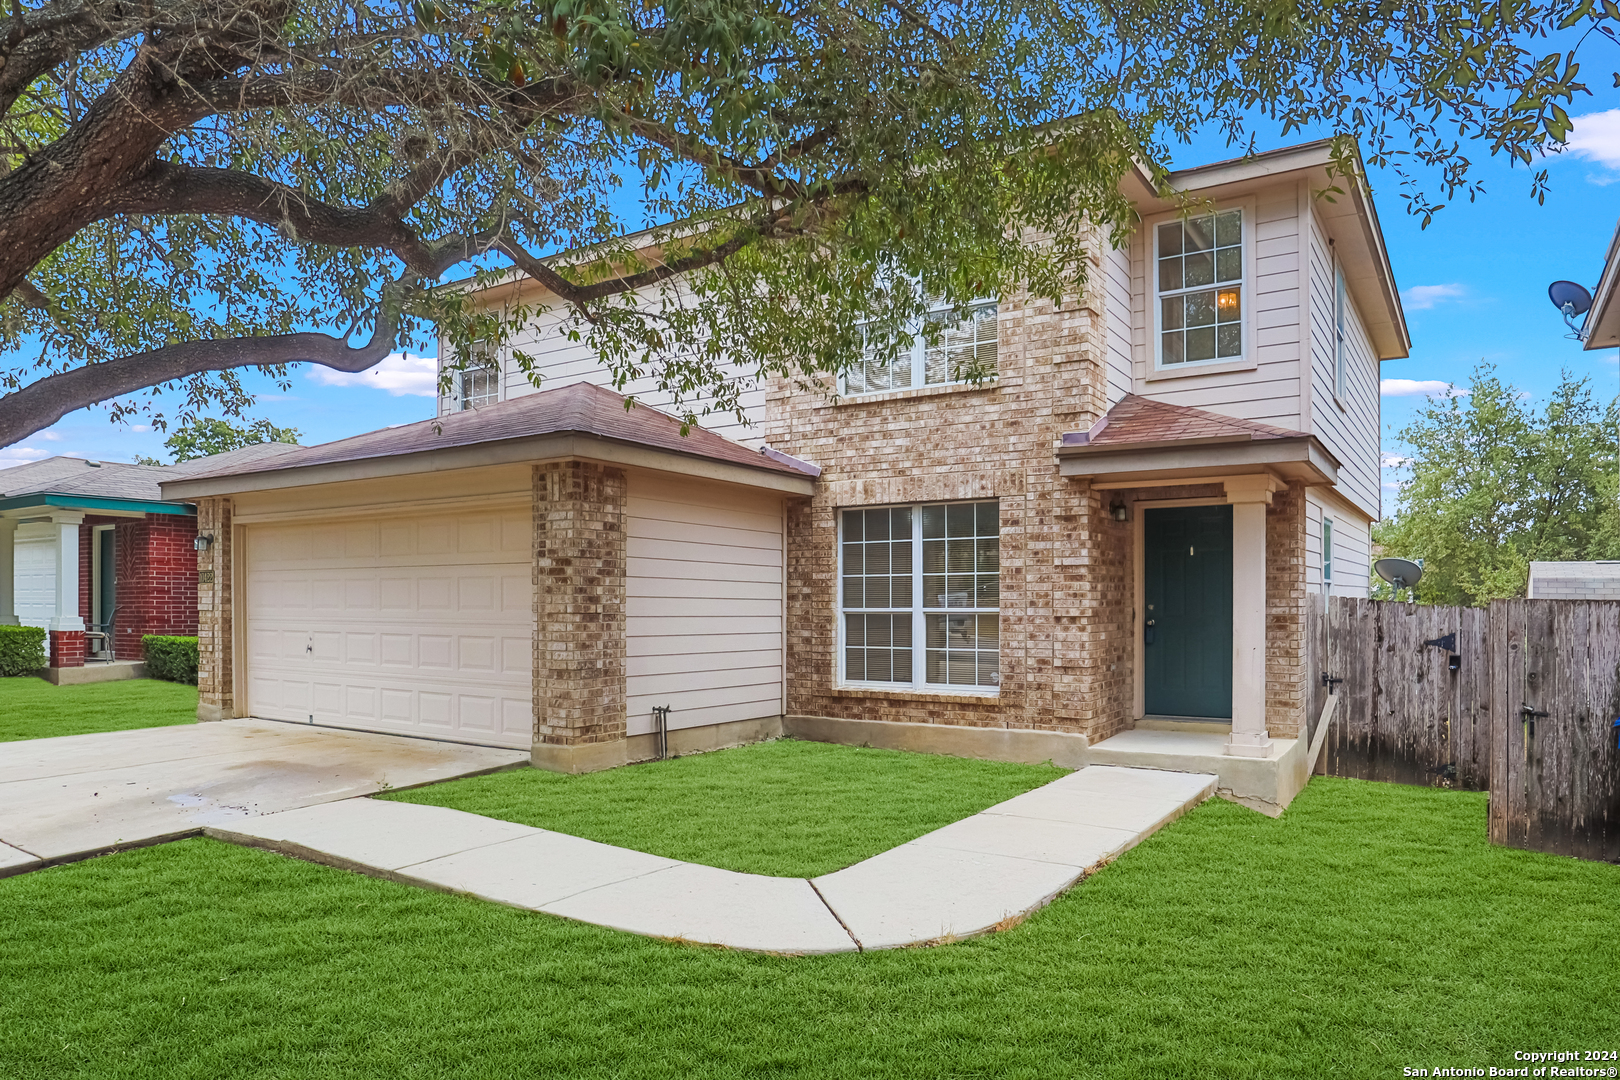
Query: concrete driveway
79, 795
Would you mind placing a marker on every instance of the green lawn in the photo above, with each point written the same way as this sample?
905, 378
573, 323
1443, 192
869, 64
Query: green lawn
1370, 928
794, 809
31, 708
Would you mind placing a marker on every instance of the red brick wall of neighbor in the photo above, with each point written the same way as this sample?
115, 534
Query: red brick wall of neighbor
1067, 578
67, 648
157, 577
157, 580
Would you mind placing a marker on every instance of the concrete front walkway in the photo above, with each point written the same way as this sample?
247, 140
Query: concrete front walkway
974, 875
79, 795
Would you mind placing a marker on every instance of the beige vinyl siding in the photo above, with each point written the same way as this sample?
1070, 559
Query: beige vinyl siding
1348, 425
562, 362
1117, 305
1269, 392
1352, 544
703, 602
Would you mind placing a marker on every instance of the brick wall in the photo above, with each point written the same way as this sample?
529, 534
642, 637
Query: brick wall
1067, 567
157, 577
215, 618
1285, 613
579, 579
163, 566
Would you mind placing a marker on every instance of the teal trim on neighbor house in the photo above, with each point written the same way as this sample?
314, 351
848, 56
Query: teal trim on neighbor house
45, 500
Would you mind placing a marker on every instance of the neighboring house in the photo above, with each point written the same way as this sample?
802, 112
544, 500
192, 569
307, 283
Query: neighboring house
1575, 580
1121, 527
91, 552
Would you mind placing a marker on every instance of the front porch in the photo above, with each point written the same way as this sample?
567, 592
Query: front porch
1216, 589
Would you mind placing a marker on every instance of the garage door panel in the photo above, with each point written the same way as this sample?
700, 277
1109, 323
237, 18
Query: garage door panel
396, 649
412, 625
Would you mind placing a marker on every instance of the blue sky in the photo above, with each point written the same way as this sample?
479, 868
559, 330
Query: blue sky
1474, 284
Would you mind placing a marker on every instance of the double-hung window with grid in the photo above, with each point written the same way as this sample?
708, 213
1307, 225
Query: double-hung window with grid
920, 590
963, 350
1199, 266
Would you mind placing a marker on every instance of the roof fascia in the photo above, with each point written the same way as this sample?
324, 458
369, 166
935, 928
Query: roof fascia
1602, 324
1311, 460
534, 448
59, 501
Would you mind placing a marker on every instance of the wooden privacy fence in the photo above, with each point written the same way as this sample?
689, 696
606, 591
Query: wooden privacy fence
1519, 699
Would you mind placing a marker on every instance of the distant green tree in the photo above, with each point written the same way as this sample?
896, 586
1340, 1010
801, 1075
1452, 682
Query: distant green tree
206, 436
1497, 484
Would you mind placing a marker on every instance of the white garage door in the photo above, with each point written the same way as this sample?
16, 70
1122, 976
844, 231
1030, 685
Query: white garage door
417, 625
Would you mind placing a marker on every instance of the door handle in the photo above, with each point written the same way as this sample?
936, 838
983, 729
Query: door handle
1148, 631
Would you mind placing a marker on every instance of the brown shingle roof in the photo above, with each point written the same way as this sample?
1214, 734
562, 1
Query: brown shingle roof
1136, 421
581, 408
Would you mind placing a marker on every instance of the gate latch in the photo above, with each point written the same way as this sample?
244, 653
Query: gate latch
1330, 681
1530, 717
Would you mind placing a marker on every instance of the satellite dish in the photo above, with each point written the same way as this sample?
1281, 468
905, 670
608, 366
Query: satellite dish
1399, 572
1570, 298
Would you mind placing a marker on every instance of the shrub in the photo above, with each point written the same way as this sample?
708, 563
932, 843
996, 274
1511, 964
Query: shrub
22, 650
171, 658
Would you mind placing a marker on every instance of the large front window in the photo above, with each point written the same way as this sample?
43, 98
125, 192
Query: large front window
1200, 288
952, 348
921, 595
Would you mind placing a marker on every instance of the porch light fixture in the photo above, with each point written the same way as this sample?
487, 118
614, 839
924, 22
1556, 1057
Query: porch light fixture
203, 542
1227, 300
1120, 511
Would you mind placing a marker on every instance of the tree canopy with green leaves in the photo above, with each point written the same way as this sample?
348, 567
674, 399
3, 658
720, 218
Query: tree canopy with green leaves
1498, 483
209, 435
193, 187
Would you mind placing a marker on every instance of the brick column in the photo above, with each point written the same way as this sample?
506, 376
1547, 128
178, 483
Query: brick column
579, 637
215, 618
67, 648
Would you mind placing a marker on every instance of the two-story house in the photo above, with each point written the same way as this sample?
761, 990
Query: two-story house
1102, 552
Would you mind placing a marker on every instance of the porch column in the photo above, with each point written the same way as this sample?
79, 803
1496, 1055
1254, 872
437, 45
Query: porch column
1249, 497
8, 571
66, 629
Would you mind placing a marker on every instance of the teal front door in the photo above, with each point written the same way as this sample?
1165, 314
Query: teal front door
1187, 627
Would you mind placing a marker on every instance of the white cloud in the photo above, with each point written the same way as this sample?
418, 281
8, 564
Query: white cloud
50, 436
20, 455
1394, 461
1414, 387
1596, 137
142, 428
1423, 297
398, 373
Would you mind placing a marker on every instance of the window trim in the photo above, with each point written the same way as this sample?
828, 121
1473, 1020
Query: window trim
1249, 359
1327, 551
919, 358
456, 400
919, 614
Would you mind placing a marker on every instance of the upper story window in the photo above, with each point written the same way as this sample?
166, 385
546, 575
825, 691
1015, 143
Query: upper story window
964, 351
920, 598
476, 385
1200, 267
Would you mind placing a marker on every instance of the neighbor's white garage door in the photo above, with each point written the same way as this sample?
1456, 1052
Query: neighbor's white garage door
418, 625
